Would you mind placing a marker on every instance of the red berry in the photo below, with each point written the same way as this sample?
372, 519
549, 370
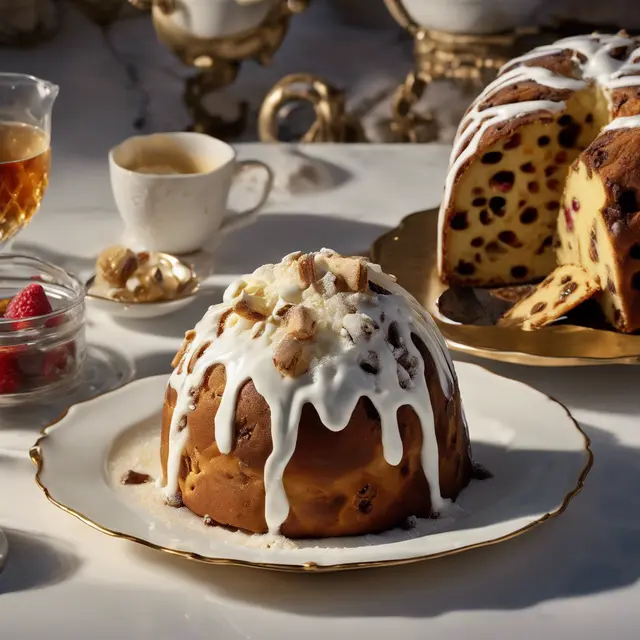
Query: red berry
9, 374
31, 302
55, 362
575, 205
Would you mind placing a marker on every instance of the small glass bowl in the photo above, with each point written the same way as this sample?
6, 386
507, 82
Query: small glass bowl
40, 355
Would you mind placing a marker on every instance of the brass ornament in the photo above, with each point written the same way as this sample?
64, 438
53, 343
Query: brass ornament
466, 58
332, 122
218, 60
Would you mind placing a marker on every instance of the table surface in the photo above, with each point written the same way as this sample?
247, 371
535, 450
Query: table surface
576, 576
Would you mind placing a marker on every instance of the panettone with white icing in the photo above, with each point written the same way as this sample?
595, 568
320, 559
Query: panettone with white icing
514, 146
318, 399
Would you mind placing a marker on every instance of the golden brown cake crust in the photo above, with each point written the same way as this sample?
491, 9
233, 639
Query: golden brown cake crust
337, 483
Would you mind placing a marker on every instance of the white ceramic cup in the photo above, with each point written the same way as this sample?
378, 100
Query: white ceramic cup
171, 190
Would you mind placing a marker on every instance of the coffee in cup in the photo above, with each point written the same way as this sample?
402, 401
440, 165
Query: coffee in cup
171, 189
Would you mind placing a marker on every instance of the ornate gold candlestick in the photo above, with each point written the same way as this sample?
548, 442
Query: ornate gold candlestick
332, 122
469, 58
218, 59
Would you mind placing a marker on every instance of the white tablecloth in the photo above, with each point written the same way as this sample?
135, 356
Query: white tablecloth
574, 577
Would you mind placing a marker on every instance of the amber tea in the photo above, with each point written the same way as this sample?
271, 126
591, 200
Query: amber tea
25, 159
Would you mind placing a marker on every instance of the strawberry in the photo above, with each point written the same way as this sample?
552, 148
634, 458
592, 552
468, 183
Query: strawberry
55, 363
9, 374
31, 302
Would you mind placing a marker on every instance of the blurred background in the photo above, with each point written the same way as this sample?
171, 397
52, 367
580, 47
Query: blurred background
367, 70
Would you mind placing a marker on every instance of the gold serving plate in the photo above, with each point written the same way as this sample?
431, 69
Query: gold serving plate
409, 252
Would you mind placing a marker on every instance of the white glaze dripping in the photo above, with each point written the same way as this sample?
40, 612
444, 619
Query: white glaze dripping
598, 66
626, 122
333, 385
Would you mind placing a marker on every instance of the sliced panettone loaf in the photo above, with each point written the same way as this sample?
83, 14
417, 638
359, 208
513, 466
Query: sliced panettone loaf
600, 225
513, 148
562, 290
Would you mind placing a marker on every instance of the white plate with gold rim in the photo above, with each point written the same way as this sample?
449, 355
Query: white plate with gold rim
536, 452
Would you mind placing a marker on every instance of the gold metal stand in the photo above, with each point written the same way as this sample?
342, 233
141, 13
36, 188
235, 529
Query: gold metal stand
218, 60
468, 58
332, 123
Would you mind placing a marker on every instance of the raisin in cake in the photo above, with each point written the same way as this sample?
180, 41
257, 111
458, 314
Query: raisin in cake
318, 399
513, 149
561, 291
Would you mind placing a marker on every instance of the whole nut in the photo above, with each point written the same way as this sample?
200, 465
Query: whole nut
115, 265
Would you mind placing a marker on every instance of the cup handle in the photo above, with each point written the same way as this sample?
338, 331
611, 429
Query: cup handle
238, 219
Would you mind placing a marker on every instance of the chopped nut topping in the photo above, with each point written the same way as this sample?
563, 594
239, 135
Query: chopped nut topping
257, 330
135, 477
300, 323
188, 337
222, 321
307, 270
292, 257
243, 309
352, 270
328, 285
292, 357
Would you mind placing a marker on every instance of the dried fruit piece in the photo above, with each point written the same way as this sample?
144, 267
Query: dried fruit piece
370, 363
568, 218
135, 477
9, 373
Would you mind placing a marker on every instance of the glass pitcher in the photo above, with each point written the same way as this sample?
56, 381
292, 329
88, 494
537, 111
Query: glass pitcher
25, 157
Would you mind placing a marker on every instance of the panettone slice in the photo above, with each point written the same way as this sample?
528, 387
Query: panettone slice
560, 292
600, 224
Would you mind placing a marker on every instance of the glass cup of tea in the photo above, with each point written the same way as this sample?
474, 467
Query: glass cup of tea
25, 157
